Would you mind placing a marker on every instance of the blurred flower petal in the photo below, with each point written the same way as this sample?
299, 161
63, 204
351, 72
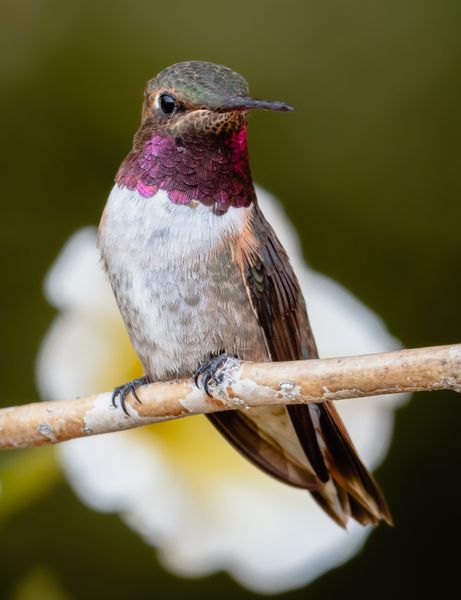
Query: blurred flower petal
179, 484
75, 281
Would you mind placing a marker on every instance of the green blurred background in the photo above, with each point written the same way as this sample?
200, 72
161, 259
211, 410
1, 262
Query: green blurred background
369, 169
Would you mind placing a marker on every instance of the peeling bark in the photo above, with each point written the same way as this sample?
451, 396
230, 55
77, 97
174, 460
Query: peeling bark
240, 385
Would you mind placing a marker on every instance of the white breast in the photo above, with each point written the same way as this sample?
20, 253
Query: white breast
168, 231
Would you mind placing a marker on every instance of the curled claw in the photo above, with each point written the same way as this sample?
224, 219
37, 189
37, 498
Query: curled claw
210, 372
121, 392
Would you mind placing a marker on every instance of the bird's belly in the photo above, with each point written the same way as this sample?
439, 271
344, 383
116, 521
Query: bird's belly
178, 318
181, 300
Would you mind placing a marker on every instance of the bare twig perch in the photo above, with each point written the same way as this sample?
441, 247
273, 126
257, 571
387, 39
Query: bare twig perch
240, 385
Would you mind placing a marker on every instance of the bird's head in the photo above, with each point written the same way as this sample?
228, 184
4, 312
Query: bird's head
192, 141
198, 96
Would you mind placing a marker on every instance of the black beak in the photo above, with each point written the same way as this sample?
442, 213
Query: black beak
249, 103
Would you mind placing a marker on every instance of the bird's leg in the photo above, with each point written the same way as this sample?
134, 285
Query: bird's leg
121, 392
213, 371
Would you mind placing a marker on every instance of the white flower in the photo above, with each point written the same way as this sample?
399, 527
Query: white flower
179, 484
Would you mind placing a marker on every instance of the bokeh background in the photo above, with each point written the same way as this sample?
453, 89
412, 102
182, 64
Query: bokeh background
368, 167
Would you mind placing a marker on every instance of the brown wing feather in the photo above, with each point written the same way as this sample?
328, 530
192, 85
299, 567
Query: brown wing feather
279, 305
264, 452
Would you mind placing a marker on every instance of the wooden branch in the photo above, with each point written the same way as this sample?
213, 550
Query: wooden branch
238, 385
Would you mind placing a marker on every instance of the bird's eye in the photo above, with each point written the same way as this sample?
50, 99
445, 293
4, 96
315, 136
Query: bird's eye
167, 103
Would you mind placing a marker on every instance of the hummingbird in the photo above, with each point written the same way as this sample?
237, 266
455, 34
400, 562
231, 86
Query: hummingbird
199, 275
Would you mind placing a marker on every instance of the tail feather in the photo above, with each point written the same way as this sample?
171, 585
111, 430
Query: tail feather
340, 483
332, 452
349, 471
334, 500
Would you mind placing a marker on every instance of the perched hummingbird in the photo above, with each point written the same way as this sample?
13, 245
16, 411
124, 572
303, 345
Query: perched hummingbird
198, 274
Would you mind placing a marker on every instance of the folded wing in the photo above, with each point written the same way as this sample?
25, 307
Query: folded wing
306, 446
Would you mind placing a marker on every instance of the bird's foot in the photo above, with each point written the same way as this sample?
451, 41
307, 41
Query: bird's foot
121, 392
213, 372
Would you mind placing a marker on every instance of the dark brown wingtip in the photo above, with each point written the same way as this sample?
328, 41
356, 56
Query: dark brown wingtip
366, 515
340, 518
350, 473
386, 515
